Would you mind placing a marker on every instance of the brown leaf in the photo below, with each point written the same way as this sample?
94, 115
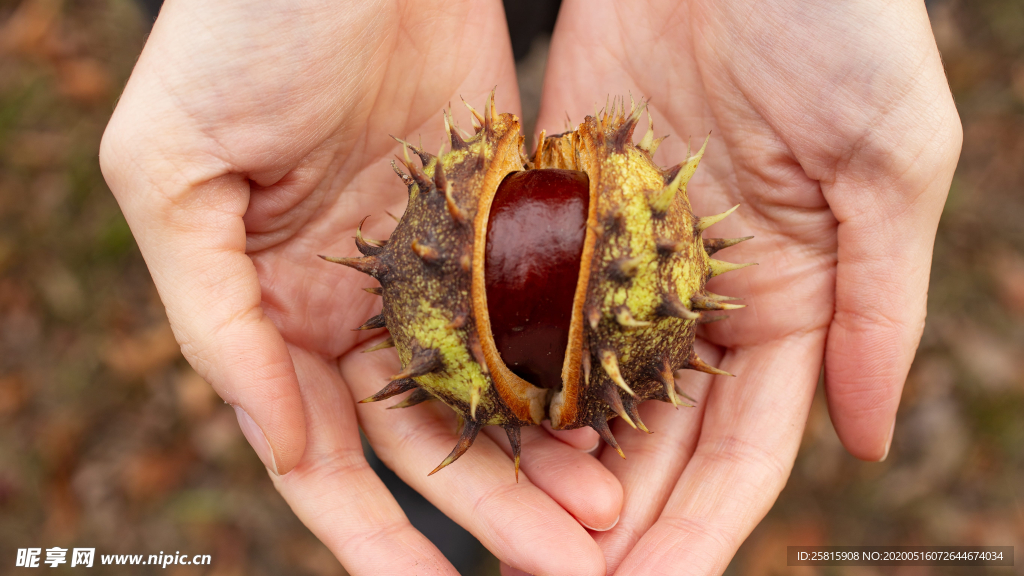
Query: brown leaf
83, 79
135, 355
13, 394
152, 474
28, 30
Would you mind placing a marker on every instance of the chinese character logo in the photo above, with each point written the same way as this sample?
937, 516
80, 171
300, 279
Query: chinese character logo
55, 556
83, 557
28, 557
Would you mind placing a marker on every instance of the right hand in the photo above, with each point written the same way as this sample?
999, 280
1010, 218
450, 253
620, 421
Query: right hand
253, 136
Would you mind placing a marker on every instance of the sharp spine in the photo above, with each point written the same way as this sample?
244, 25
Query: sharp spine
630, 404
427, 253
648, 139
478, 120
719, 267
625, 318
418, 396
425, 157
424, 183
703, 302
654, 145
600, 424
624, 268
719, 297
707, 221
393, 388
624, 135
610, 394
389, 342
418, 177
687, 396
515, 440
440, 181
406, 179
712, 245
489, 113
667, 246
493, 108
365, 246
453, 135
679, 176
478, 352
469, 431
668, 382
661, 201
375, 290
684, 171
693, 362
423, 361
457, 213
374, 323
672, 307
611, 367
371, 265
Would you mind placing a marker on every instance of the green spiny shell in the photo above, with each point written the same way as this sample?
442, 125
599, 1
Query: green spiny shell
639, 296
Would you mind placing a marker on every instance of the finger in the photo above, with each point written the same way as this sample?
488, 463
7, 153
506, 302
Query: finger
338, 496
749, 438
516, 521
577, 481
881, 297
585, 438
188, 225
885, 254
654, 462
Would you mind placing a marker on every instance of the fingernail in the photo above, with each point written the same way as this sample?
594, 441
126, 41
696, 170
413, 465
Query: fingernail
257, 439
584, 524
888, 443
594, 448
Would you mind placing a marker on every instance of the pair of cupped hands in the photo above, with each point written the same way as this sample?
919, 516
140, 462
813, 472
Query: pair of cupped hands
254, 135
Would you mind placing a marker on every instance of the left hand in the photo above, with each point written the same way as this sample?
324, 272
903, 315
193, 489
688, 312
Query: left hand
253, 135
832, 124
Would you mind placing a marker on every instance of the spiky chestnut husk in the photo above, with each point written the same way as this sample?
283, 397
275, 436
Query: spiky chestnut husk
639, 295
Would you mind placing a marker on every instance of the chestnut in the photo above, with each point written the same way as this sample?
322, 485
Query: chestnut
566, 285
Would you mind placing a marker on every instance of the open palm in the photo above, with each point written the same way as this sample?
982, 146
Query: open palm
253, 136
831, 124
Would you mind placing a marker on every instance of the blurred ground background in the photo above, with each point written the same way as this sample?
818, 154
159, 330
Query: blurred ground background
109, 439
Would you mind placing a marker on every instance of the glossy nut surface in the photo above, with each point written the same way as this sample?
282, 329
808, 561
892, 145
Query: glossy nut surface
534, 244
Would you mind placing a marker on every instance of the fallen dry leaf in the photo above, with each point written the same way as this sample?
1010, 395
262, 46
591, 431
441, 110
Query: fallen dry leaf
135, 355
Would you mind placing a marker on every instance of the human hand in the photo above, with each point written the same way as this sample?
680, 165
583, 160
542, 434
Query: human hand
253, 136
833, 126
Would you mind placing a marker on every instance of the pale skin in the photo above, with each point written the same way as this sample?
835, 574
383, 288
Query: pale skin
254, 135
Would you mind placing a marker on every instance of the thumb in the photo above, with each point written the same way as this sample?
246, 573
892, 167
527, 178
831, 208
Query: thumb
187, 220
